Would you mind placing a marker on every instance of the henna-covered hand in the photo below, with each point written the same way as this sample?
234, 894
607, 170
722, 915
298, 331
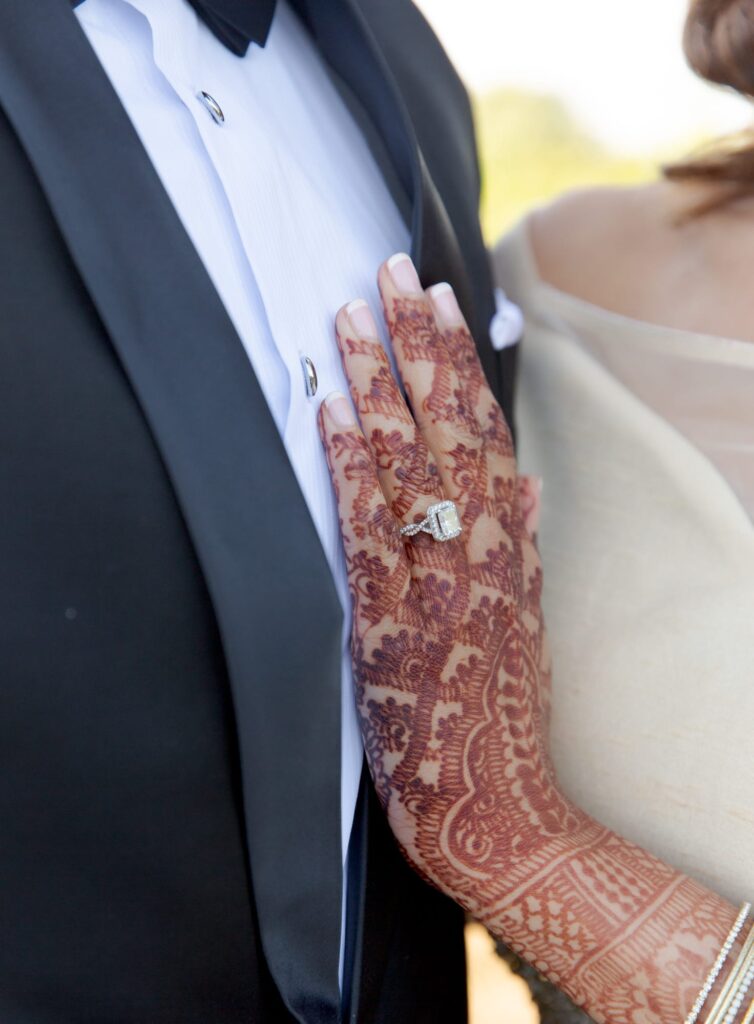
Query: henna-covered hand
452, 677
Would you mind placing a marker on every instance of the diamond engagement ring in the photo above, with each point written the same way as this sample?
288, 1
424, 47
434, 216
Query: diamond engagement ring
442, 522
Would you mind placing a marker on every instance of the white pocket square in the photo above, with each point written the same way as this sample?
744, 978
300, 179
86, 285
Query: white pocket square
507, 325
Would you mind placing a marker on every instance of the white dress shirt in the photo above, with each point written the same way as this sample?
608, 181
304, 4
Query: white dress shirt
286, 208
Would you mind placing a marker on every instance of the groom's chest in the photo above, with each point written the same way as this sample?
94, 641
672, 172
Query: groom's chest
277, 190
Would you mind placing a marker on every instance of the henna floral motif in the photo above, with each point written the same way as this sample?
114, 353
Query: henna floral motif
452, 679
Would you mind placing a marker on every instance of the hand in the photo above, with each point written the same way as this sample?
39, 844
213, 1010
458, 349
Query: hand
452, 677
450, 658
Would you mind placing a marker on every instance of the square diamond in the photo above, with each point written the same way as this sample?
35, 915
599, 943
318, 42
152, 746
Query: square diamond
445, 521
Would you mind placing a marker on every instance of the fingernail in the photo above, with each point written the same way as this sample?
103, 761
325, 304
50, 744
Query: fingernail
446, 305
361, 319
339, 409
403, 273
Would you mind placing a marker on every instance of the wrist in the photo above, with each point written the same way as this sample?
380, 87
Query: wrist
542, 864
595, 906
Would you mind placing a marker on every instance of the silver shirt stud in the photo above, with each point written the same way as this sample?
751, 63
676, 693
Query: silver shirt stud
310, 376
216, 111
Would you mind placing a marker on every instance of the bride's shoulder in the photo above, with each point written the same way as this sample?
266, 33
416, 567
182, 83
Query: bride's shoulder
593, 242
640, 252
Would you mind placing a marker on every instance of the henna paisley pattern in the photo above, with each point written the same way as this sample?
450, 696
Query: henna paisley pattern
452, 678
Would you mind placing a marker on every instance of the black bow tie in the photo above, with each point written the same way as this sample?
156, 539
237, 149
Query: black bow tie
236, 23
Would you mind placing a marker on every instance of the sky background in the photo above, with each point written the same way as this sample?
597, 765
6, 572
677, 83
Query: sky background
619, 66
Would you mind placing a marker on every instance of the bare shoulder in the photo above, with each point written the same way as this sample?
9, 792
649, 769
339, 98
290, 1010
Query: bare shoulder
637, 252
587, 242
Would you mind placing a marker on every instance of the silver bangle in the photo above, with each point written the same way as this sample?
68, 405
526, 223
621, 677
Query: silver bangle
718, 965
743, 988
733, 982
749, 1015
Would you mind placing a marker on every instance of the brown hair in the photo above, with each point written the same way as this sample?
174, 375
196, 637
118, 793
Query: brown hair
719, 46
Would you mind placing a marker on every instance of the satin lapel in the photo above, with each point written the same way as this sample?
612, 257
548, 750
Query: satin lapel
272, 591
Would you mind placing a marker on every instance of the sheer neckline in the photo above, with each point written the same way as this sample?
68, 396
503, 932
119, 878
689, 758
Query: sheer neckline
583, 315
699, 384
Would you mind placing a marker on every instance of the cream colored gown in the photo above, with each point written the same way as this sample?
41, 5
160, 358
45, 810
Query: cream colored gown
644, 437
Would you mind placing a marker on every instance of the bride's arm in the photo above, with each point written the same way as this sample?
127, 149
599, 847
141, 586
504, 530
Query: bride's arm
452, 681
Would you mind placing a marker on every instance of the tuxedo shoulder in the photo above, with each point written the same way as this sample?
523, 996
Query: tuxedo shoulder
435, 98
586, 240
410, 43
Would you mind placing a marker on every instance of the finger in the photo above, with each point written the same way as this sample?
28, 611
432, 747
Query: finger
463, 354
499, 486
378, 569
515, 510
440, 406
407, 472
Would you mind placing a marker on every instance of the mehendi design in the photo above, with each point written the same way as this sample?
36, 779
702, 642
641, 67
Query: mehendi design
452, 679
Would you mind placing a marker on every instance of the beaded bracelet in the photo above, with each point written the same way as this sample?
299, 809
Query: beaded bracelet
718, 965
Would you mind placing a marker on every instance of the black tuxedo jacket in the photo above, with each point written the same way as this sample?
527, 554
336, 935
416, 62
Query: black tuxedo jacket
169, 630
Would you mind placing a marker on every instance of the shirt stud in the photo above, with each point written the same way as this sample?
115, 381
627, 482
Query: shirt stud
310, 376
216, 111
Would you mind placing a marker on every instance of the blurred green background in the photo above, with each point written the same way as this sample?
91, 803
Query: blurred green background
532, 147
576, 94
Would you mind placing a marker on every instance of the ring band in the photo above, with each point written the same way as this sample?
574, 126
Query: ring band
442, 522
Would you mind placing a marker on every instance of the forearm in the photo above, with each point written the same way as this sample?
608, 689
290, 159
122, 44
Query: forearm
627, 937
